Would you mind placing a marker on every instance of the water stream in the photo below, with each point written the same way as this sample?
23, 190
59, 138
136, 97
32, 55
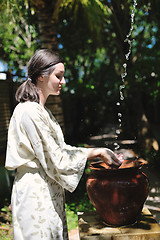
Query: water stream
124, 73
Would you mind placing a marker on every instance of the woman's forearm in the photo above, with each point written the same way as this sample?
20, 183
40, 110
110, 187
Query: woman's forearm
95, 152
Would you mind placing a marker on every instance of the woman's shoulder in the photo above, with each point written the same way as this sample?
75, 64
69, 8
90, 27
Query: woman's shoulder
29, 108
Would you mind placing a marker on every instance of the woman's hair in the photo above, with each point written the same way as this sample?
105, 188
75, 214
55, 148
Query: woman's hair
42, 63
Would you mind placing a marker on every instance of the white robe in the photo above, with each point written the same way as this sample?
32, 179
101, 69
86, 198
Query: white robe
45, 167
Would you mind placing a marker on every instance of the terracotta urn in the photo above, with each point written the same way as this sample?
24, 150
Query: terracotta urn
118, 194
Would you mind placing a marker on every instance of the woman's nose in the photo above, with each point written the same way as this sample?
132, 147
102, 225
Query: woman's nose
63, 81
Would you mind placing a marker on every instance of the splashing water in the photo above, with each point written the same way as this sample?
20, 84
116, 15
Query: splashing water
124, 74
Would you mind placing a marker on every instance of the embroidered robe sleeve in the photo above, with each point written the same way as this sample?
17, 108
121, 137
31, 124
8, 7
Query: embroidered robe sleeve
63, 163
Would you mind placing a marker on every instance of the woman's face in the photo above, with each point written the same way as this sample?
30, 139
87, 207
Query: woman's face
53, 82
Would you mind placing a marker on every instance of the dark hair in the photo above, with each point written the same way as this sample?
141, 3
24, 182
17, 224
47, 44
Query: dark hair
42, 63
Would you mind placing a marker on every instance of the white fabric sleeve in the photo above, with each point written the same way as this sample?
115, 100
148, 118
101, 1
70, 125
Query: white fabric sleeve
63, 163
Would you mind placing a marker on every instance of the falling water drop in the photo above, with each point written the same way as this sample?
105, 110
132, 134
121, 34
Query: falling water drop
121, 96
121, 87
116, 146
118, 131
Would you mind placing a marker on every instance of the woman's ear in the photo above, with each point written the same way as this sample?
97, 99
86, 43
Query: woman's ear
41, 79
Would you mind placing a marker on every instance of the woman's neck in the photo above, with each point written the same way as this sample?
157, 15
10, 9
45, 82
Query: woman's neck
42, 98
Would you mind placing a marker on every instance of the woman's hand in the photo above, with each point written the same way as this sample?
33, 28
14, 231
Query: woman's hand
105, 154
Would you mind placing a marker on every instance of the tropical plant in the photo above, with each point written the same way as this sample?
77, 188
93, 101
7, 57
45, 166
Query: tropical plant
18, 35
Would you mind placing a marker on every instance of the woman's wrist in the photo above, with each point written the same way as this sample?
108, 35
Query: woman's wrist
94, 153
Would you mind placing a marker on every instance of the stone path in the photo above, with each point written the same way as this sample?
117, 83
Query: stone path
106, 138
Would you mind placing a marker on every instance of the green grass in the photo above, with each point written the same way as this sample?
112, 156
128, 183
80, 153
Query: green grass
72, 219
5, 235
76, 205
6, 231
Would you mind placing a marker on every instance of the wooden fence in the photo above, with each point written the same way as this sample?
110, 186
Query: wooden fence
7, 104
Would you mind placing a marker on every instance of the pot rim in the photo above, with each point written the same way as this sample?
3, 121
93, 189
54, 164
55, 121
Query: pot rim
92, 166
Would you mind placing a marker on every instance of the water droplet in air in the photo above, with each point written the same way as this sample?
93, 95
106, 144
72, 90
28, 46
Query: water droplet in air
116, 146
125, 65
123, 75
122, 98
118, 131
121, 87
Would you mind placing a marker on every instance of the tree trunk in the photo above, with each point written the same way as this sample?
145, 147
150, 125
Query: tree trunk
47, 14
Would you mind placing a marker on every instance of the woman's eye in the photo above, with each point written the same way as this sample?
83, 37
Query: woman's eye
59, 77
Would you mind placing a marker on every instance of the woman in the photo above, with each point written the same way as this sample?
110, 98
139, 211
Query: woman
45, 164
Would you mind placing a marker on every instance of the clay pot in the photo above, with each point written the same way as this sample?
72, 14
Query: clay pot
118, 194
